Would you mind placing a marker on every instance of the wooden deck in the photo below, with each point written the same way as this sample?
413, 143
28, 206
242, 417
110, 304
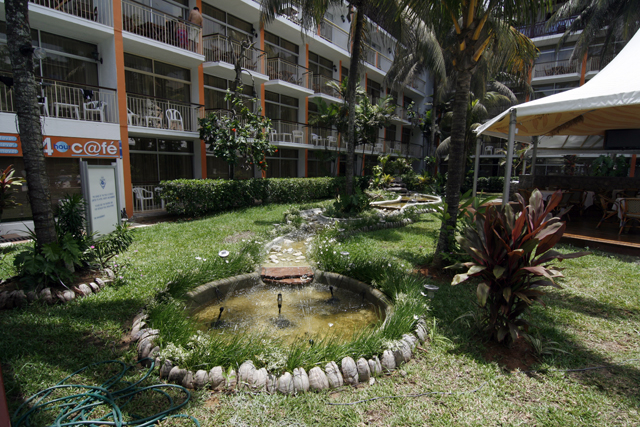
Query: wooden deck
581, 231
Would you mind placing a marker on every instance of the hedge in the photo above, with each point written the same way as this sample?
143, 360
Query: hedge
492, 184
197, 197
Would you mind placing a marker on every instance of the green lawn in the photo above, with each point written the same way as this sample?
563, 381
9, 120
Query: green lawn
595, 319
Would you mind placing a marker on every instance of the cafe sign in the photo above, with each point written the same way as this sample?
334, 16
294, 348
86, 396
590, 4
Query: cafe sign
56, 146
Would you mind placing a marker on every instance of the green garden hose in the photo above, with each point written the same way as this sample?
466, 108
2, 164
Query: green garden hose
101, 405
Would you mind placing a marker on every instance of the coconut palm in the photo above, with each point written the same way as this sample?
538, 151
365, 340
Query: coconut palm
312, 13
477, 29
617, 20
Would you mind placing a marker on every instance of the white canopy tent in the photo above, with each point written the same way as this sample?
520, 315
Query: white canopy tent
576, 119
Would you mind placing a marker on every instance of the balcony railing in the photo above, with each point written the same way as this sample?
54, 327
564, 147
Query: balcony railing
219, 48
597, 63
279, 69
418, 84
69, 101
322, 137
334, 34
540, 29
159, 113
321, 85
156, 25
555, 68
100, 11
377, 59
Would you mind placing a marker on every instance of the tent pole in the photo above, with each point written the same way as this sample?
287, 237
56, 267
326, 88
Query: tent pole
507, 174
476, 167
534, 158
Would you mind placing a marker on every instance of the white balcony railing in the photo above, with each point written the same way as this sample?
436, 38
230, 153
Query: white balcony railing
162, 113
321, 85
334, 34
67, 101
377, 59
219, 48
597, 63
555, 68
279, 69
100, 11
156, 25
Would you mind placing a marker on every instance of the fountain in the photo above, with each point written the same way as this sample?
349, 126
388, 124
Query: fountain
402, 202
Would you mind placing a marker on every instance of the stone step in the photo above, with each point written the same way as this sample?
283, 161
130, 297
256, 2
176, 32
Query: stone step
292, 281
279, 273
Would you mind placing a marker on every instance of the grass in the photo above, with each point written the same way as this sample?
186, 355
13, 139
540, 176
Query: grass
595, 319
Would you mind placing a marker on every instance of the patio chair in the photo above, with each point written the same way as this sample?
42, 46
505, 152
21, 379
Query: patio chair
488, 150
133, 119
332, 141
42, 103
630, 212
91, 108
297, 136
577, 200
273, 136
609, 208
142, 195
316, 140
174, 120
565, 204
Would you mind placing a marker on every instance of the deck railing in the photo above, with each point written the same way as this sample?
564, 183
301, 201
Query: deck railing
555, 68
334, 34
219, 48
100, 11
540, 29
377, 59
156, 25
321, 85
163, 113
597, 63
69, 101
279, 69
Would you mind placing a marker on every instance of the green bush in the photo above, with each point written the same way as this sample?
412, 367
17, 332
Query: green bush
197, 197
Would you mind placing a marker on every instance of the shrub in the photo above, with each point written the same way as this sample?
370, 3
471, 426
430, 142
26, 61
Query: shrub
107, 247
511, 255
196, 197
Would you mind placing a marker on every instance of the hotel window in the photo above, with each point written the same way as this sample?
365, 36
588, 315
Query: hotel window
374, 90
177, 8
319, 163
320, 65
217, 21
277, 47
148, 77
215, 90
283, 164
154, 160
281, 107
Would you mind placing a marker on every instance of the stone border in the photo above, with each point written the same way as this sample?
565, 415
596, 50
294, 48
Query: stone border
381, 203
249, 378
17, 298
386, 224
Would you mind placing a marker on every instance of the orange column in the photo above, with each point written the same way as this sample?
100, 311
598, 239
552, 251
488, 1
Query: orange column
583, 71
632, 169
262, 85
527, 96
122, 106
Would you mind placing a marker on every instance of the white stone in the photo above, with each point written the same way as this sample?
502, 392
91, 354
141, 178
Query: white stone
276, 248
165, 369
176, 375
411, 340
285, 384
333, 375
245, 375
187, 381
216, 378
85, 289
349, 371
272, 382
388, 361
200, 379
421, 333
260, 379
301, 257
300, 380
364, 373
317, 379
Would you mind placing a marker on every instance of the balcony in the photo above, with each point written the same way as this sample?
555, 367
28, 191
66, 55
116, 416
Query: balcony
321, 87
597, 63
334, 34
156, 25
418, 85
219, 55
539, 29
100, 11
555, 68
377, 59
65, 100
288, 78
158, 114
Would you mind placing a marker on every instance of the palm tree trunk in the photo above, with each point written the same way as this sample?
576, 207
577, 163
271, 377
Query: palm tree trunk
351, 96
25, 91
456, 165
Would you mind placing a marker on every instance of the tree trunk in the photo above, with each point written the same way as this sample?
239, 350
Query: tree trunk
351, 97
28, 111
456, 165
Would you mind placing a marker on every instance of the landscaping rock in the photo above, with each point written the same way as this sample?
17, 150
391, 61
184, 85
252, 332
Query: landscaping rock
144, 349
349, 371
272, 382
176, 375
364, 373
300, 380
388, 361
411, 340
317, 379
85, 289
398, 355
216, 378
405, 350
187, 381
285, 384
46, 295
94, 287
245, 375
421, 333
260, 379
200, 379
101, 283
109, 273
31, 296
165, 369
68, 295
333, 375
19, 298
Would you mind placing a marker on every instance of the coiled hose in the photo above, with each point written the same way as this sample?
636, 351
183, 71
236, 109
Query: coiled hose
103, 405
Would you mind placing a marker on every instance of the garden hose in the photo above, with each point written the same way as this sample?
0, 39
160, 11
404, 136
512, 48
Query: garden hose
103, 405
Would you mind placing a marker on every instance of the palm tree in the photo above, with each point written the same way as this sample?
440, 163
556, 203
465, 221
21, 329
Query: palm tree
617, 19
478, 28
312, 12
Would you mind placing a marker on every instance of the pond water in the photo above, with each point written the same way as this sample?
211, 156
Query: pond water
307, 311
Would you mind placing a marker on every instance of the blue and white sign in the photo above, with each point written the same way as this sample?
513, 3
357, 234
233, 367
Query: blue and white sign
102, 198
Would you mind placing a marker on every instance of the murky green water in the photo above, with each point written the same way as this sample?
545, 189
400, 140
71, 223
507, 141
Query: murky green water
306, 311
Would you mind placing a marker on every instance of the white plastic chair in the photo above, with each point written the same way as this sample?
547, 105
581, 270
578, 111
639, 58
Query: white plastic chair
92, 108
42, 102
297, 135
142, 195
273, 136
133, 119
174, 120
316, 140
488, 150
331, 140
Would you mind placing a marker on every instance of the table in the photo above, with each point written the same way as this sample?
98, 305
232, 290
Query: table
588, 199
73, 108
